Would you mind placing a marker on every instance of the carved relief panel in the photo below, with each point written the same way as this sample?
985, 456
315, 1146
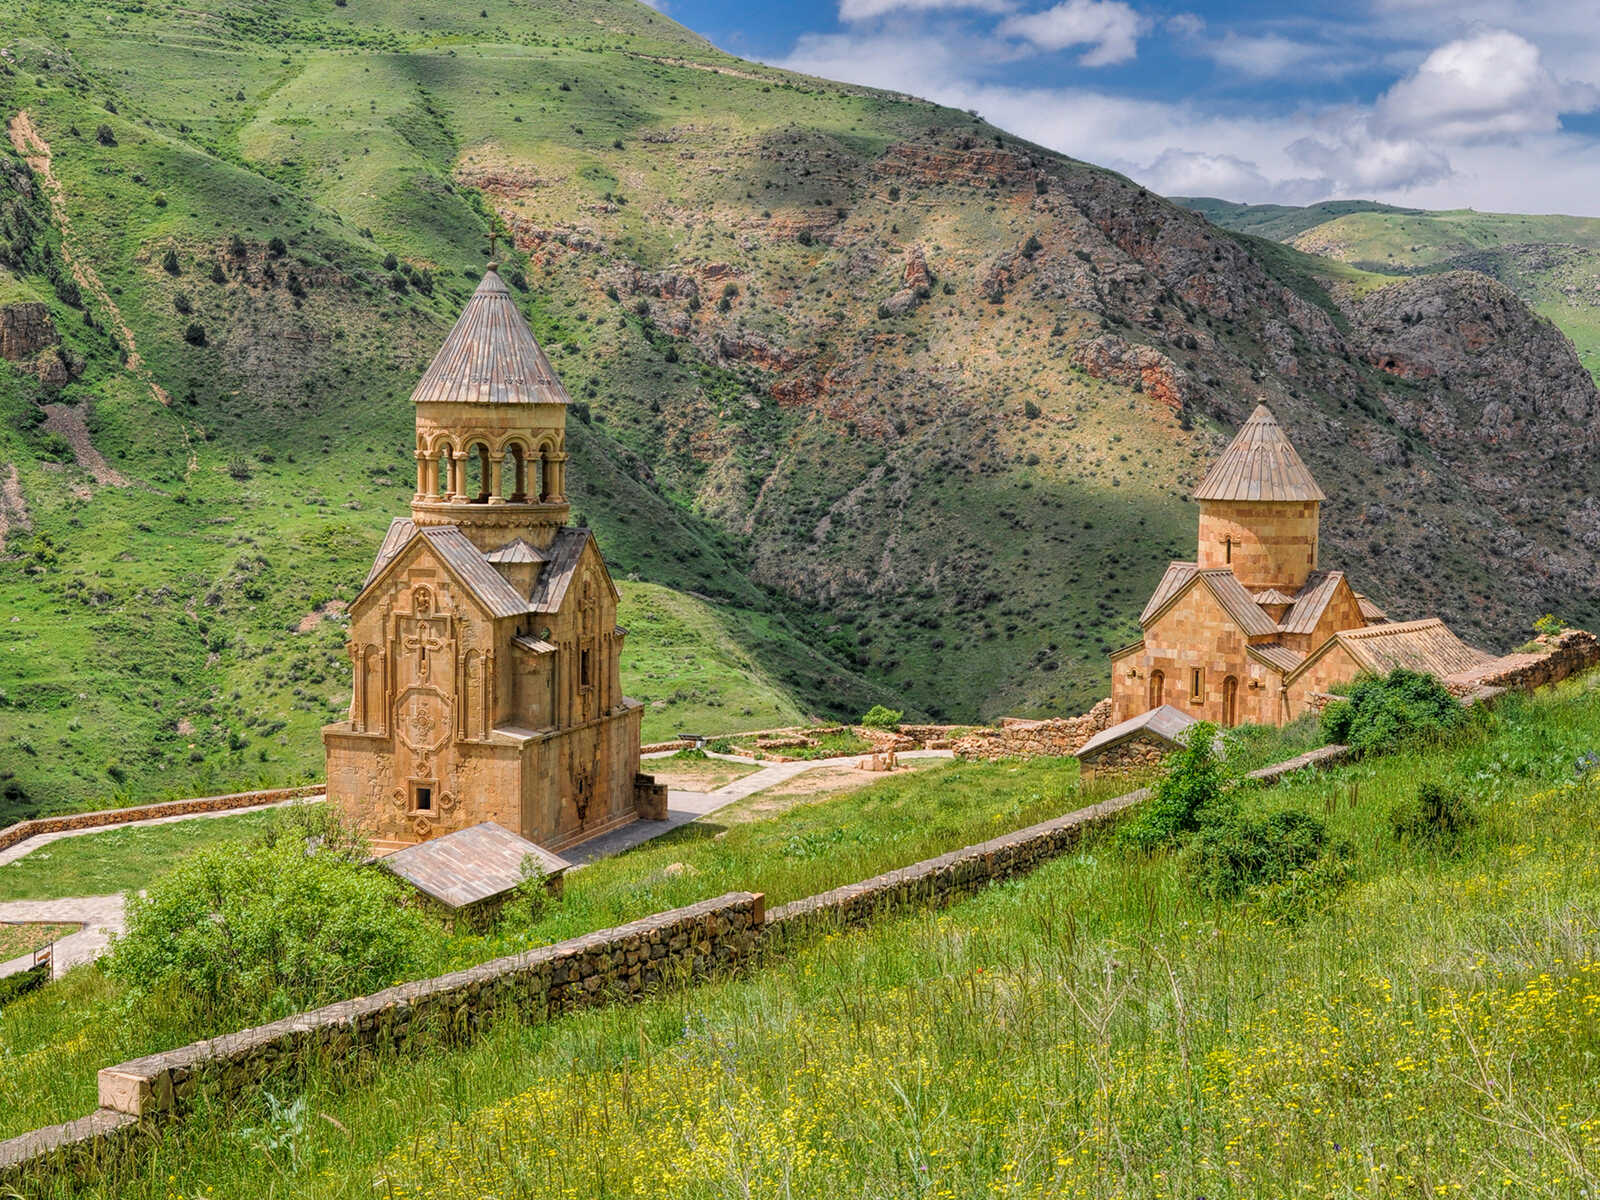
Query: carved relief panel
426, 706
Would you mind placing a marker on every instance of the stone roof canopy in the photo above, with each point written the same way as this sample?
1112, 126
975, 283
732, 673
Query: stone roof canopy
1259, 464
490, 357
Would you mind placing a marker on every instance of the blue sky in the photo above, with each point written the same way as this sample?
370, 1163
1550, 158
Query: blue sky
1489, 104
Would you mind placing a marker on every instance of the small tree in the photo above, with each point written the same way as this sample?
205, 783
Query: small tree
881, 717
293, 919
277, 247
195, 334
1197, 785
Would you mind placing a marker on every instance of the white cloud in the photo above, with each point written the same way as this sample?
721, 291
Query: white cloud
1109, 28
1294, 154
1177, 172
1490, 85
866, 10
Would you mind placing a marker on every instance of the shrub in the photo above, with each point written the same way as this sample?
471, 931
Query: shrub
1379, 713
195, 334
277, 247
1435, 814
182, 303
291, 920
881, 717
169, 262
1197, 786
1236, 852
1549, 625
104, 136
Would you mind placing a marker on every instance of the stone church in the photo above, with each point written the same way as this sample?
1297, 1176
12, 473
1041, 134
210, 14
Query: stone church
1254, 630
484, 644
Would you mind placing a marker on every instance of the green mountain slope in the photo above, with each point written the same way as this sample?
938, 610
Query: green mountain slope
913, 406
1552, 262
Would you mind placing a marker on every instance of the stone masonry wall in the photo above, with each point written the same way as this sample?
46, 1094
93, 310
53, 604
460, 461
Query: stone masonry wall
23, 830
1054, 737
613, 964
1567, 653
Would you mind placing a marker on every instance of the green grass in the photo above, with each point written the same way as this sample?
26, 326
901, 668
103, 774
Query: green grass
55, 1043
1095, 1029
17, 940
119, 860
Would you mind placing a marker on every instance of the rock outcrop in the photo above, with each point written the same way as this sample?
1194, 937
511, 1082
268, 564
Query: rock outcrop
25, 329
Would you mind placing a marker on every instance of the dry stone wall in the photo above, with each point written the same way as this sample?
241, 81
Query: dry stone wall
23, 830
614, 964
1015, 738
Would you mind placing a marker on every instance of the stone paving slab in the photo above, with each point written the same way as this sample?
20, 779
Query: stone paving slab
98, 916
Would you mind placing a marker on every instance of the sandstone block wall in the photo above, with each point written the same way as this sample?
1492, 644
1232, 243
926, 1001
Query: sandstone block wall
23, 830
1054, 737
613, 964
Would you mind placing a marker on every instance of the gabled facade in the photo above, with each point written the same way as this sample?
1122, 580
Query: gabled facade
484, 644
1252, 631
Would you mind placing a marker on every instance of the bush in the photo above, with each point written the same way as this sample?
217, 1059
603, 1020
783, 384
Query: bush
277, 247
1378, 714
104, 136
195, 334
881, 717
1435, 814
169, 262
1197, 787
1237, 853
291, 920
1549, 625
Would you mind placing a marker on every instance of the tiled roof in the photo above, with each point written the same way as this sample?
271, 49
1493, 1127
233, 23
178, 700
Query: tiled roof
1370, 611
533, 645
1259, 464
1312, 602
1225, 586
1164, 721
1273, 596
1427, 646
1276, 654
562, 557
1179, 575
471, 864
400, 532
1238, 603
490, 357
467, 561
516, 551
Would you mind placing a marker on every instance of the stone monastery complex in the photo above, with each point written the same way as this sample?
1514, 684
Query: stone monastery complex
484, 645
1252, 630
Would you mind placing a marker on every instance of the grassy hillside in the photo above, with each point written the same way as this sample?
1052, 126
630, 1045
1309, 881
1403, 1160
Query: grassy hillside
914, 407
1552, 262
1422, 1022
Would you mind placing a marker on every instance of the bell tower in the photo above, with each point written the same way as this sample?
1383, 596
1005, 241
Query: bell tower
491, 429
1260, 509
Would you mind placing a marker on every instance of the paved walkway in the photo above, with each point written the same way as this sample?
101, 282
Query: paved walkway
683, 807
100, 916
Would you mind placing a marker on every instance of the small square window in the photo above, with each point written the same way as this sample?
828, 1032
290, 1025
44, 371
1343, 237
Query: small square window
422, 797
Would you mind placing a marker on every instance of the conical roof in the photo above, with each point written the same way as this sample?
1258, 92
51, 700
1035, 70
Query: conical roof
1259, 464
490, 357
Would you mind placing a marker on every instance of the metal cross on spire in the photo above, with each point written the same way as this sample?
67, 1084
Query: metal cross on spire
493, 236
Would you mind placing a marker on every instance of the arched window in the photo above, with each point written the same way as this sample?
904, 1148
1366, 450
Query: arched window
1158, 683
444, 472
476, 469
517, 466
1230, 702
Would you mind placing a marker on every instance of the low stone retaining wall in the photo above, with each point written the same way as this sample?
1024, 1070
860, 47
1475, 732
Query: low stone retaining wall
1055, 737
1567, 653
961, 872
23, 830
624, 963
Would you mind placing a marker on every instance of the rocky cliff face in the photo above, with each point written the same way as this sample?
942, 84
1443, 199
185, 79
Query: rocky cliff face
25, 329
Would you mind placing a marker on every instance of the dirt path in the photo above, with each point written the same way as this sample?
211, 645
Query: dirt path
28, 142
68, 421
13, 506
